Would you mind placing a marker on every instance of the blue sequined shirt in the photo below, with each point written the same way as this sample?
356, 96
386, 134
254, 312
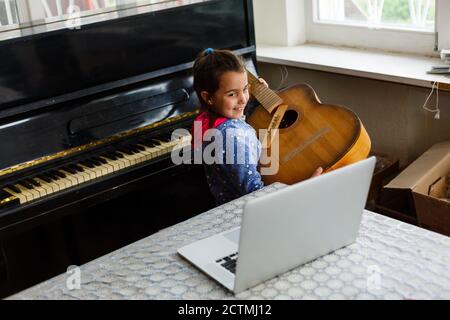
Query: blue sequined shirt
234, 171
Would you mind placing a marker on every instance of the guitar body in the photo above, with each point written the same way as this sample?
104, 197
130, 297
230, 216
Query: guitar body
312, 135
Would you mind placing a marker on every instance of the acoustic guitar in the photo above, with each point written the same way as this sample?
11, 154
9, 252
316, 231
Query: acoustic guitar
311, 134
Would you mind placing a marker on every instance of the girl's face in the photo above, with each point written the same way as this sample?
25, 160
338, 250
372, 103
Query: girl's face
232, 96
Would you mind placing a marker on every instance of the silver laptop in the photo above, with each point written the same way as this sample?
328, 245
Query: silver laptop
286, 228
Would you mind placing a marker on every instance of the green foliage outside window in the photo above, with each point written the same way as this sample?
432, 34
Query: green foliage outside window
396, 11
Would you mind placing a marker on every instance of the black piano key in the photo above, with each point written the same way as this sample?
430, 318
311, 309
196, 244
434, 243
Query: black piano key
139, 148
95, 162
13, 188
77, 167
125, 150
45, 178
118, 154
110, 156
101, 160
51, 176
25, 184
131, 149
167, 136
34, 182
147, 143
88, 164
158, 142
69, 169
161, 136
58, 173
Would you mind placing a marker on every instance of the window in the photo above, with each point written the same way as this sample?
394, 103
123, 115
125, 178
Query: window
395, 14
8, 13
394, 25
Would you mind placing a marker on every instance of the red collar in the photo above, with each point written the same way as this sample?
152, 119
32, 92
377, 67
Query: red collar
205, 119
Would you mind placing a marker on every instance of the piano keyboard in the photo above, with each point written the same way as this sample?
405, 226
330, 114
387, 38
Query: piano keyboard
74, 174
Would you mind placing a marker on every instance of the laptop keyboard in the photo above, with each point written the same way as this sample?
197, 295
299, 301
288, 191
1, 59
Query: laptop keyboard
229, 262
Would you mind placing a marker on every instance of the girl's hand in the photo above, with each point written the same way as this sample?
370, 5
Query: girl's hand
261, 80
318, 172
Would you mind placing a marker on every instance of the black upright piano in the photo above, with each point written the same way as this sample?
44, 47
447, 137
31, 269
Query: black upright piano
86, 122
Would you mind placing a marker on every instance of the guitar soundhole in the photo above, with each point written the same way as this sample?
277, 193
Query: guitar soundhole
289, 118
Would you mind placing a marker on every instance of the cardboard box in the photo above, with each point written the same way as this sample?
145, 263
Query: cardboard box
421, 190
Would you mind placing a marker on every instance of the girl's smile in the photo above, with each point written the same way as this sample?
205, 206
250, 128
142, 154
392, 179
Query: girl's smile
231, 97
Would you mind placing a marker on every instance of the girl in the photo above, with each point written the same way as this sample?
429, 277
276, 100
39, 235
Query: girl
220, 81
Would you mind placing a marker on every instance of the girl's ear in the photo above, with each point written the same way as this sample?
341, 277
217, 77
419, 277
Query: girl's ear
206, 97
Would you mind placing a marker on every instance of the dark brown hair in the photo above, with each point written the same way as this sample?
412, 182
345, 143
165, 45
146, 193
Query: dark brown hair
209, 67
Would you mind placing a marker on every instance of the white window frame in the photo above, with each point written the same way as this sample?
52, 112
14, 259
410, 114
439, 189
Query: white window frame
386, 39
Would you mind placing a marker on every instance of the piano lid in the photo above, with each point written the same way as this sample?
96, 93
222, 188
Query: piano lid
52, 67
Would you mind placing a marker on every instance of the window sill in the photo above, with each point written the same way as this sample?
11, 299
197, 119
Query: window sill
398, 68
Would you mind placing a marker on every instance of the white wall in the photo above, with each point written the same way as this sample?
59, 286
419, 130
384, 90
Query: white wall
444, 25
279, 22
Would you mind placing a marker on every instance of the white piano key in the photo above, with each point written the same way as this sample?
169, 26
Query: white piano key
128, 162
42, 191
47, 186
76, 179
65, 181
73, 177
61, 183
86, 176
34, 191
78, 176
140, 157
122, 164
151, 152
115, 165
22, 198
30, 196
100, 170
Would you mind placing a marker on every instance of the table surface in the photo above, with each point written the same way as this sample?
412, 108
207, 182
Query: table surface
389, 260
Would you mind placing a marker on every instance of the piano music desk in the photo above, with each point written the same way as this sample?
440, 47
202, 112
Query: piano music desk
389, 260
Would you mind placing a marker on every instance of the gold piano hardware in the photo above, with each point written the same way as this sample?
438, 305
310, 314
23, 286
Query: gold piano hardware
7, 200
93, 144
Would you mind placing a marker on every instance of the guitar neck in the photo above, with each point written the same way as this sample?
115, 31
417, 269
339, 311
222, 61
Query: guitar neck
265, 96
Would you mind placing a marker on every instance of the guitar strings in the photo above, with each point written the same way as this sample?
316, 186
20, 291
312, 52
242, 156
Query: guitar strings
436, 109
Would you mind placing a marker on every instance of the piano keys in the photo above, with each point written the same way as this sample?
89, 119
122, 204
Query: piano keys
88, 169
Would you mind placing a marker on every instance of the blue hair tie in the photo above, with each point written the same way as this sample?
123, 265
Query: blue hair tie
208, 51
